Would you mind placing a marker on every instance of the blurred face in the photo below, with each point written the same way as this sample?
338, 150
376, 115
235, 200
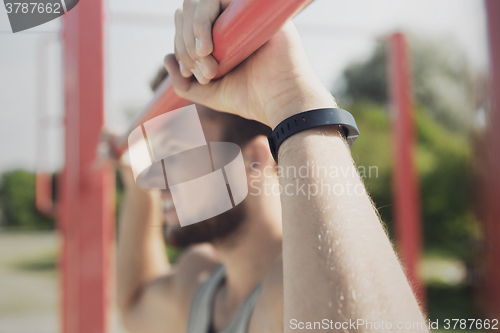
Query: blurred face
212, 230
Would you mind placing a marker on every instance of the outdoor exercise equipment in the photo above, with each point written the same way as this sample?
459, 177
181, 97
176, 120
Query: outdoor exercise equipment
86, 216
86, 207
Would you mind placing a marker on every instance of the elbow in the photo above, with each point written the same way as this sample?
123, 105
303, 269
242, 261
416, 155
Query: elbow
128, 308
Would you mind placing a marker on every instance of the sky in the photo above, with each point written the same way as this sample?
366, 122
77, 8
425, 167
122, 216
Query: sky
335, 33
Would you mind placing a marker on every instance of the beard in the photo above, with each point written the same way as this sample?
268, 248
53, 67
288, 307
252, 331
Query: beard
222, 228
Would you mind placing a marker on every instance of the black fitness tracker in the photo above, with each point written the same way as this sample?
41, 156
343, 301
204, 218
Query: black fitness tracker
310, 119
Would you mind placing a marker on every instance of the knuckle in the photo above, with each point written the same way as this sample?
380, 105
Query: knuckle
187, 4
178, 14
186, 59
178, 91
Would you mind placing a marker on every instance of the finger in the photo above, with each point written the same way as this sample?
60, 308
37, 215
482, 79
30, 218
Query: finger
204, 17
181, 54
206, 67
190, 89
189, 8
180, 82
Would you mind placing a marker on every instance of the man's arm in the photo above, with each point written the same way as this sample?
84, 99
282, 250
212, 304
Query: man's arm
141, 252
338, 261
152, 295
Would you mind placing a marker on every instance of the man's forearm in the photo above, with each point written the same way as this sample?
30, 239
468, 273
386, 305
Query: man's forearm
141, 252
338, 261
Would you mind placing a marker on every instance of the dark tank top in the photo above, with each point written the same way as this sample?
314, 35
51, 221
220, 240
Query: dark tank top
200, 313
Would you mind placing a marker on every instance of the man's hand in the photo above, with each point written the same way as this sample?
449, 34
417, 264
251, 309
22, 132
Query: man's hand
272, 84
109, 153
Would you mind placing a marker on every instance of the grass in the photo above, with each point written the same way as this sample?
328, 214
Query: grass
45, 262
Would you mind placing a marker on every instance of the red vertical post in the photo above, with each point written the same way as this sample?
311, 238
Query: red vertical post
489, 166
43, 180
406, 192
43, 192
86, 216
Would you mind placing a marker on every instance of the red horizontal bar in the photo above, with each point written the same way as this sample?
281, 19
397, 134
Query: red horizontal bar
43, 192
238, 32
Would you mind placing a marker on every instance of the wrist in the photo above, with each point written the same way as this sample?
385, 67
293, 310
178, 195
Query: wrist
304, 140
302, 96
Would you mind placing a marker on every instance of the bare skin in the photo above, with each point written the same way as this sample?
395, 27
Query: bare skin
322, 256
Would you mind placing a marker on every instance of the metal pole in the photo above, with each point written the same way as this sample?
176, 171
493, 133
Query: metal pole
489, 166
406, 192
43, 180
87, 212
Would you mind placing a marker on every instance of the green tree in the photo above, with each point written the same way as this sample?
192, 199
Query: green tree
17, 202
443, 154
445, 170
443, 82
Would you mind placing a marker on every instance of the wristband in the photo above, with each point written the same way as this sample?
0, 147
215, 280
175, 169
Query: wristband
310, 119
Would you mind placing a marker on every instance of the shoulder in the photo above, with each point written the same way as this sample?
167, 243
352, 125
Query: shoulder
268, 312
164, 302
193, 267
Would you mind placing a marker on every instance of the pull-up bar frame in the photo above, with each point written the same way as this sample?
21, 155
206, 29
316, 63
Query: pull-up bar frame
87, 195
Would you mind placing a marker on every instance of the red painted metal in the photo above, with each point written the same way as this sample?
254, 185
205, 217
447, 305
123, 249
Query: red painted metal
43, 180
489, 179
246, 25
43, 192
87, 198
243, 27
406, 192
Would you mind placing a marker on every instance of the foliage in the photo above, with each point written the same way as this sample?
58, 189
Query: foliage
366, 80
444, 168
442, 81
17, 202
444, 95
